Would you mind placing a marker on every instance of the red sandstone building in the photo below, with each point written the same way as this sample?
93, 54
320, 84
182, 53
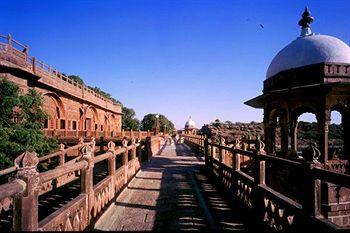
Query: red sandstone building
74, 110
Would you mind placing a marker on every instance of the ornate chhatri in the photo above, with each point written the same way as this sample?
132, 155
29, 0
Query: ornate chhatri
311, 74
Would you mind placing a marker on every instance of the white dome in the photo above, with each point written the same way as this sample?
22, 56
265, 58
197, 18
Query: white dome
190, 123
308, 50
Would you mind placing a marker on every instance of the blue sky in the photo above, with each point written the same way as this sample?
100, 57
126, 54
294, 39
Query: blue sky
176, 57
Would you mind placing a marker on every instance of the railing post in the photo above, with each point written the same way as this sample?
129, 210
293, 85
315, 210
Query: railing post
139, 150
87, 181
62, 155
206, 151
312, 199
25, 210
125, 160
148, 144
221, 170
133, 155
34, 64
9, 40
133, 150
111, 165
237, 157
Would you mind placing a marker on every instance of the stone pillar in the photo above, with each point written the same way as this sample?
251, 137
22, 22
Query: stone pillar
323, 128
346, 126
25, 205
269, 132
294, 135
284, 138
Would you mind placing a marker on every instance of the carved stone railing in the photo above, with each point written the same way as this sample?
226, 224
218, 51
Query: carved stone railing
17, 55
271, 206
21, 194
109, 136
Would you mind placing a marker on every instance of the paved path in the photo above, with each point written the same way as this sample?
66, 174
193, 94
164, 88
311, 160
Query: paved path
171, 192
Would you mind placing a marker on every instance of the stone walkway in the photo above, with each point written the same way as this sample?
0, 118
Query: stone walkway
171, 192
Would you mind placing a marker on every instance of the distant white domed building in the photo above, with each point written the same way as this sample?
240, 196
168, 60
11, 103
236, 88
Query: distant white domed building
190, 126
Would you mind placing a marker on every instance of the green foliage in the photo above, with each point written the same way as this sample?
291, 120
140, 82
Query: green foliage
76, 78
149, 123
130, 122
21, 124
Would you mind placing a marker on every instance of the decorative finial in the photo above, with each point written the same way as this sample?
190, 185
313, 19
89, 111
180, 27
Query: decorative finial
305, 22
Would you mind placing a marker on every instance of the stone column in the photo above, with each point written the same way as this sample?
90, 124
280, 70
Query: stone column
294, 135
323, 128
284, 138
25, 205
269, 132
346, 126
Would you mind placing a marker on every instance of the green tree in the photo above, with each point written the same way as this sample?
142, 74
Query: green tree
130, 122
76, 78
21, 124
149, 122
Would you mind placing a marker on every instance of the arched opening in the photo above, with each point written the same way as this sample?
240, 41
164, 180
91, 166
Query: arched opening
91, 119
307, 131
336, 135
278, 132
54, 107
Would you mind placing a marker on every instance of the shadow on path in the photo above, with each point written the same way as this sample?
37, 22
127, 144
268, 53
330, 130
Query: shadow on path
172, 192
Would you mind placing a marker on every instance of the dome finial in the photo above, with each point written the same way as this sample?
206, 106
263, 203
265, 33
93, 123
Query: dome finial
305, 22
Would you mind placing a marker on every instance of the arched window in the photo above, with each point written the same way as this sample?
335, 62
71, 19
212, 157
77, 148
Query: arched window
335, 136
307, 130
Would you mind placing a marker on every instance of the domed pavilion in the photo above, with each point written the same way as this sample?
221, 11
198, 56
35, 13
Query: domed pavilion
190, 126
311, 74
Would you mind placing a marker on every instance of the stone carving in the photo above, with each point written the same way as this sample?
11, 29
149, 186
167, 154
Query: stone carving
27, 160
26, 165
5, 204
125, 142
259, 144
237, 143
222, 141
311, 153
111, 146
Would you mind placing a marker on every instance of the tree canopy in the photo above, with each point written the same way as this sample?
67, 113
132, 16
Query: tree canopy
79, 80
21, 123
149, 122
130, 122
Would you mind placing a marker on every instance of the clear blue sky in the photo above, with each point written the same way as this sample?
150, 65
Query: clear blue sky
179, 58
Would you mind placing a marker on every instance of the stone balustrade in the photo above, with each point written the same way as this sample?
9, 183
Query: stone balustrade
20, 195
252, 185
